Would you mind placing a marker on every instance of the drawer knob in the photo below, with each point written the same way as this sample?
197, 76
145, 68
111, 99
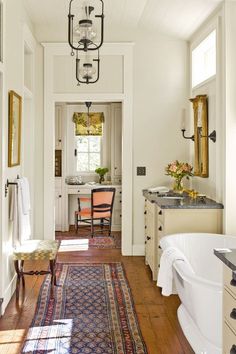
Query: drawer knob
145, 226
159, 247
160, 228
145, 212
233, 349
233, 282
233, 314
160, 212
148, 238
145, 242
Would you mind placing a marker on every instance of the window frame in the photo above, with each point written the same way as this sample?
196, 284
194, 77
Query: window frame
90, 173
195, 41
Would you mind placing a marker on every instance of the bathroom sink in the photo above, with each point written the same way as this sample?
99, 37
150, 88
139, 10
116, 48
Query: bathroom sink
76, 183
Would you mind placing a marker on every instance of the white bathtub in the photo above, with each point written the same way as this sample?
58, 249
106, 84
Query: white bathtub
200, 291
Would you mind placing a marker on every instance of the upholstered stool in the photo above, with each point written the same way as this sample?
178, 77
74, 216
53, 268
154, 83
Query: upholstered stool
35, 250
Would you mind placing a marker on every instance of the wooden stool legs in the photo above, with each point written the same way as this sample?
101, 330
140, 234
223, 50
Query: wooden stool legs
20, 274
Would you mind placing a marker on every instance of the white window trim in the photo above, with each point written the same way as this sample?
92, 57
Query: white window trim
89, 173
196, 44
196, 40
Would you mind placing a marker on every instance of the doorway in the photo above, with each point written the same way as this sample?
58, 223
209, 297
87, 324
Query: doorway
124, 94
77, 155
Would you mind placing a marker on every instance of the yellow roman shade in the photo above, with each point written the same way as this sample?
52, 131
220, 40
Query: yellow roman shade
85, 125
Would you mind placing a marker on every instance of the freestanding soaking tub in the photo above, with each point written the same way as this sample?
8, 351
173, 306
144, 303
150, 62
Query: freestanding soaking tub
199, 287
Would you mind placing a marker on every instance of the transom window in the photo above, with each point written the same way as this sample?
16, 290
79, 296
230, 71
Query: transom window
204, 60
88, 153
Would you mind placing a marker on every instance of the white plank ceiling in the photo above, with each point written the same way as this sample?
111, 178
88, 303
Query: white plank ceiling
178, 18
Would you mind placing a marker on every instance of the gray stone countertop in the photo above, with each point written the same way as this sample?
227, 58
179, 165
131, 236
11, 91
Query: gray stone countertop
172, 200
227, 256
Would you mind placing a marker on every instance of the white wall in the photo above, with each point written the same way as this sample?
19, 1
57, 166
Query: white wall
15, 18
213, 185
65, 80
230, 114
160, 93
38, 222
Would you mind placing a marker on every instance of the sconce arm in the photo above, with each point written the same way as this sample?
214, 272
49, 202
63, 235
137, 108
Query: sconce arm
212, 136
187, 137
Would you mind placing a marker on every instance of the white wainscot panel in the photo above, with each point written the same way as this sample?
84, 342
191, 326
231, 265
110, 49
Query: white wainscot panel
110, 67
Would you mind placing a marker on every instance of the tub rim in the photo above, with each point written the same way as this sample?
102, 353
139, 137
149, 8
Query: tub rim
182, 270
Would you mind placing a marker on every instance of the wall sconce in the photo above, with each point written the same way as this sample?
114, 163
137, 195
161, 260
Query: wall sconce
82, 35
86, 73
186, 137
212, 136
183, 123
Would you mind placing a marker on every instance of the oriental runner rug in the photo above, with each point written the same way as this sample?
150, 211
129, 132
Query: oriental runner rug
103, 242
92, 312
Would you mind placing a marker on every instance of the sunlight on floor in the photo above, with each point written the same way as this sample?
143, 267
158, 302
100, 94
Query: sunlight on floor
74, 245
10, 341
53, 338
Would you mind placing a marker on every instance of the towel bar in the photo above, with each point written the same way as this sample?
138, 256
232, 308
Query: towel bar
10, 184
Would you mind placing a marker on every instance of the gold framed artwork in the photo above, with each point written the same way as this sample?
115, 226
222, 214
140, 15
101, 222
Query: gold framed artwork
14, 129
200, 136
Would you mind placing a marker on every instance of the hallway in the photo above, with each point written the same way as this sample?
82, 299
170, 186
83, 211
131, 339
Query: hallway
156, 314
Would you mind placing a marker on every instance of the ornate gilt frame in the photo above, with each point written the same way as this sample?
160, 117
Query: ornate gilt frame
14, 129
201, 157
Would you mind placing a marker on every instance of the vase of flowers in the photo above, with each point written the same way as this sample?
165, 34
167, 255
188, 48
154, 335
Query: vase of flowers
179, 170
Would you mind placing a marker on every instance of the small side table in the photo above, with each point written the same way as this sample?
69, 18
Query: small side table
35, 250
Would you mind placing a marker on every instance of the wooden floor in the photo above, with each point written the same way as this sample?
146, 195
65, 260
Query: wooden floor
156, 314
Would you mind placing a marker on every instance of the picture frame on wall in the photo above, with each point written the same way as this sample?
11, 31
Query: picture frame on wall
14, 129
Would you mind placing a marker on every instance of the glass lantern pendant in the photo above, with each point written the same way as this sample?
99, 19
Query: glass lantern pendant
87, 73
83, 35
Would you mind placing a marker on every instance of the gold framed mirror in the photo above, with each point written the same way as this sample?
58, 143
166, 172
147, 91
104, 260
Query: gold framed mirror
201, 168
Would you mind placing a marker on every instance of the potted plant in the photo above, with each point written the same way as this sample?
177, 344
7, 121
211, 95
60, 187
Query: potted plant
101, 171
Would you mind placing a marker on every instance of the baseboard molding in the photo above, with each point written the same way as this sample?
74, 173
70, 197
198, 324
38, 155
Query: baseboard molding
138, 250
8, 293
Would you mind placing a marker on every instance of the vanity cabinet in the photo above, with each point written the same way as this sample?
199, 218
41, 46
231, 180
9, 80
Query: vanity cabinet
163, 219
117, 211
229, 312
58, 127
58, 204
151, 237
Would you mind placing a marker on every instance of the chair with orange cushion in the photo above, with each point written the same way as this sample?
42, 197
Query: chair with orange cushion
78, 216
102, 200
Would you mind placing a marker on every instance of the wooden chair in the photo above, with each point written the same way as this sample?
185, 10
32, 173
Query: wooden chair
102, 200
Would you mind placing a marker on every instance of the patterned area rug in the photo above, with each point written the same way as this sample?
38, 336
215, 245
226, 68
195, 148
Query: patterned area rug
113, 241
92, 313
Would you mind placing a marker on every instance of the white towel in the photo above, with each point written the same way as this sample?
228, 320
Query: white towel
165, 274
25, 194
14, 216
21, 221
